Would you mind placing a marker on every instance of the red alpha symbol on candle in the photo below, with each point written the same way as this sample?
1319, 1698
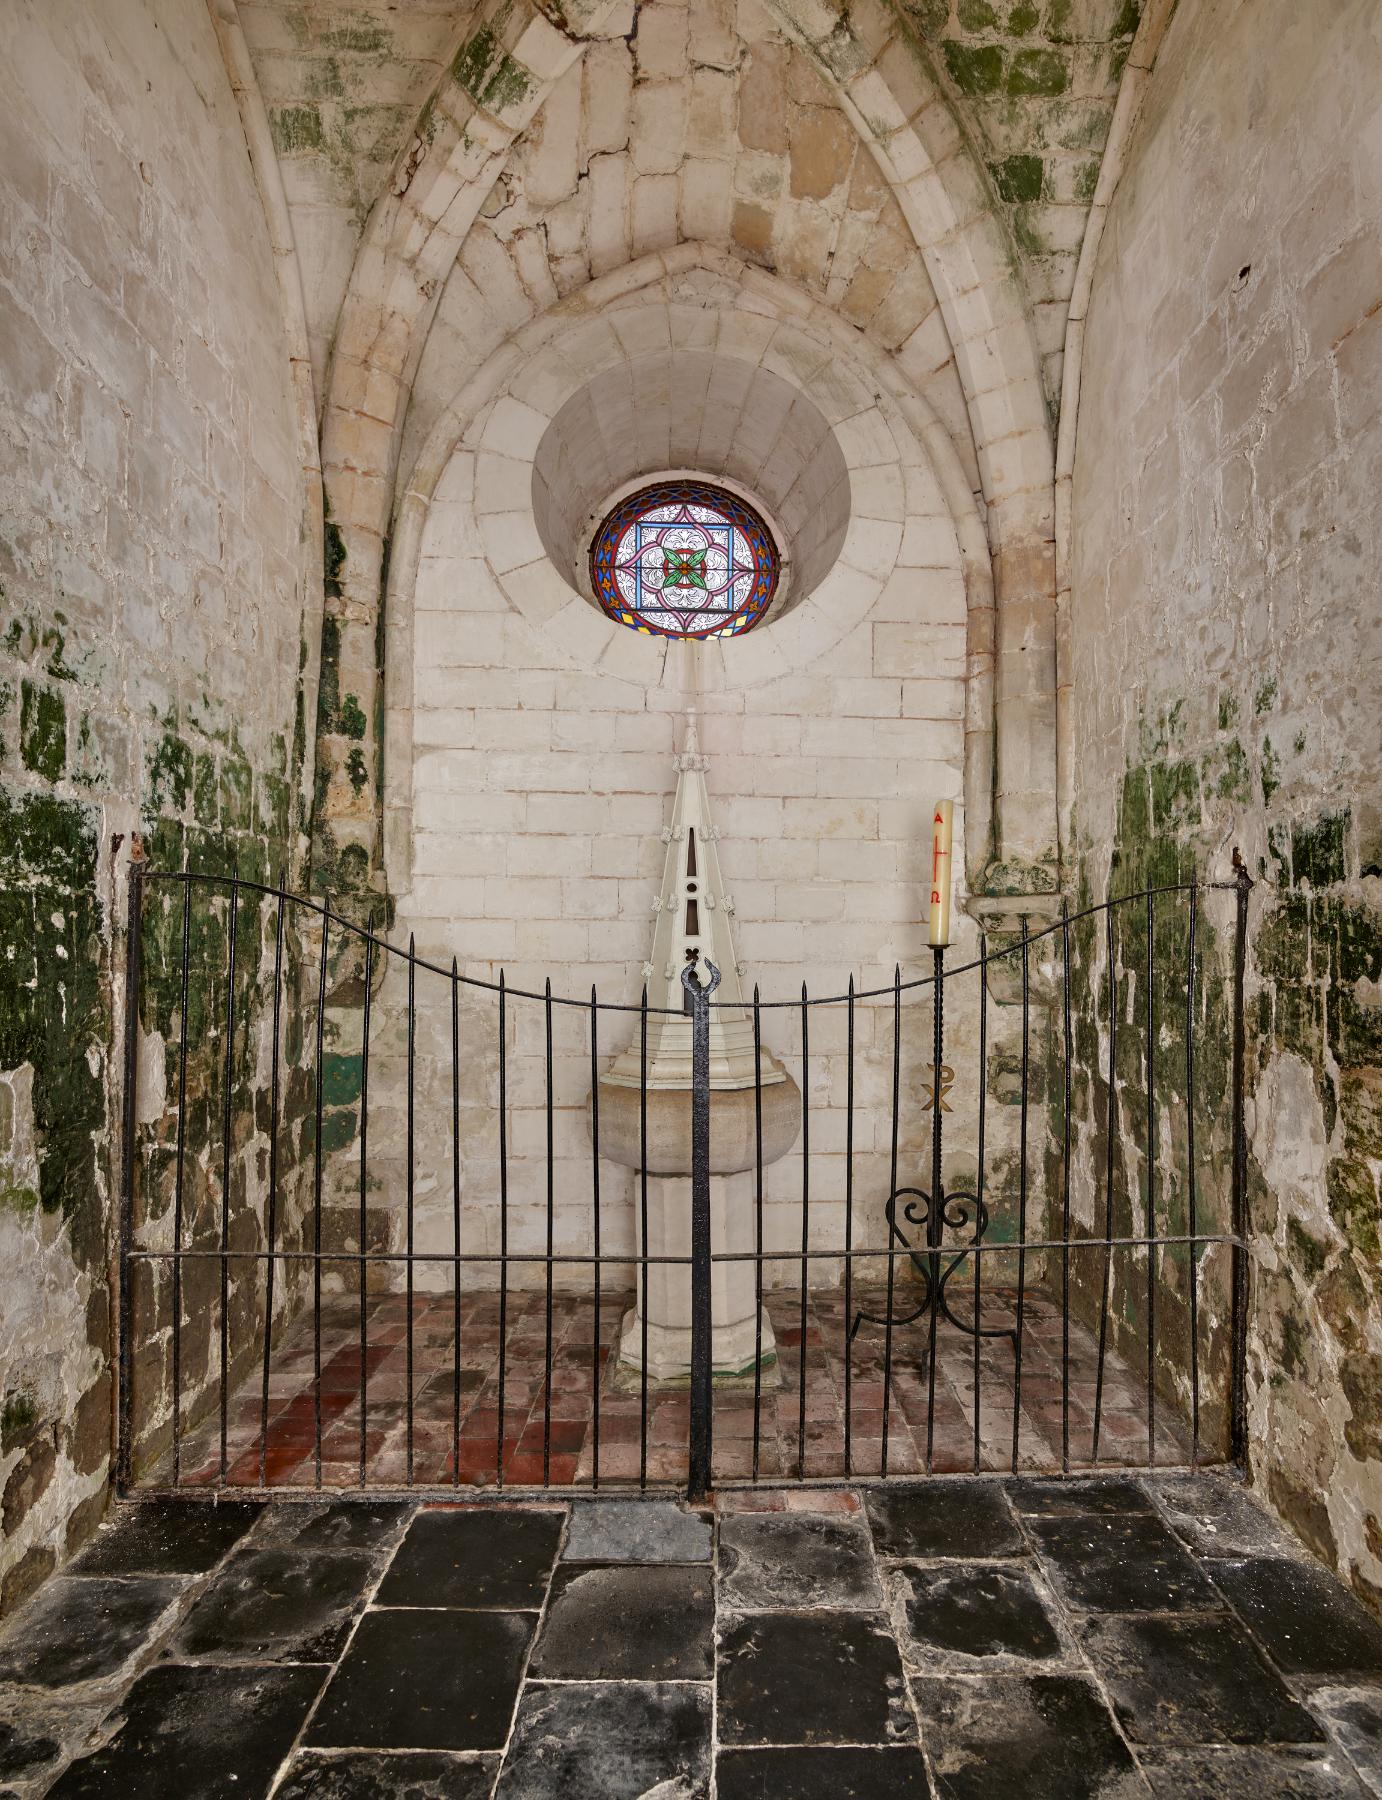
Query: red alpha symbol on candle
936, 854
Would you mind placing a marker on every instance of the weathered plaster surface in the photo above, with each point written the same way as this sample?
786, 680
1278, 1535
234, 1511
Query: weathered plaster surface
1225, 631
151, 556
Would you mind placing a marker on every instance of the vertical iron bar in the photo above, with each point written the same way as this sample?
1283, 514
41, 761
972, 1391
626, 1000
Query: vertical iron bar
1111, 1132
595, 1221
226, 1094
271, 1227
935, 1212
805, 1226
410, 1182
551, 1226
130, 1125
700, 1446
317, 1202
1151, 1179
364, 1195
1238, 1414
1022, 1189
178, 1187
1068, 1049
757, 1229
456, 1223
979, 1183
849, 1223
643, 1221
1192, 1195
503, 1223
892, 1197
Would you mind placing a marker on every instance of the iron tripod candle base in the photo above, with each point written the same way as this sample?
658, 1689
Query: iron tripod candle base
936, 1262
958, 1211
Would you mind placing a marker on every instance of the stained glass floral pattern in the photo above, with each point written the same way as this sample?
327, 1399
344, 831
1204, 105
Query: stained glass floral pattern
684, 559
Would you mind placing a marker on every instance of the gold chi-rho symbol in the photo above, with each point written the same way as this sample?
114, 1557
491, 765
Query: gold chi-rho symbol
946, 1083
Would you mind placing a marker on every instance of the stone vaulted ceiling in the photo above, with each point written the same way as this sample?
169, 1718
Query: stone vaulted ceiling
689, 94
707, 125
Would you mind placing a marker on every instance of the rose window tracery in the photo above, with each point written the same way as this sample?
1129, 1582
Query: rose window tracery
684, 558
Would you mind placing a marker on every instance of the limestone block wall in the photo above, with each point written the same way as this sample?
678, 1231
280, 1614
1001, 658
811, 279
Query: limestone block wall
1226, 633
530, 745
155, 613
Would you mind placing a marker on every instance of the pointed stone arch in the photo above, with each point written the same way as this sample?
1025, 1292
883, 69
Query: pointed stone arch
497, 84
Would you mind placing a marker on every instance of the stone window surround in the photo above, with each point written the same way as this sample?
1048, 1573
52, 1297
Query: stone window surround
707, 412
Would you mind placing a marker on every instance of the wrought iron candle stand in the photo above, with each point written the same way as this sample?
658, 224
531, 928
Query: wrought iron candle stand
959, 1210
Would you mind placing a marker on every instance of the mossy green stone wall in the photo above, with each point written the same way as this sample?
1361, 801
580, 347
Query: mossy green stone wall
154, 617
1225, 637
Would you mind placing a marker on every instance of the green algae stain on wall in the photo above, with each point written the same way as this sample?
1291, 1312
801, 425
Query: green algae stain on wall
1205, 772
53, 1011
974, 68
42, 731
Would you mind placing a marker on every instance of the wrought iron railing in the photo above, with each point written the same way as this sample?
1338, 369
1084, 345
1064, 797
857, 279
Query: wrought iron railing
976, 1323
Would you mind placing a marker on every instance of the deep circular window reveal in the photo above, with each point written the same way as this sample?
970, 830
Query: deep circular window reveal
684, 559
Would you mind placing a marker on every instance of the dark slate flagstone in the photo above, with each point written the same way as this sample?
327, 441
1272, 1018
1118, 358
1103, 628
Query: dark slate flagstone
85, 1628
1354, 1717
821, 1774
417, 1679
1194, 1680
412, 1775
959, 1614
617, 1741
636, 1531
811, 1678
476, 1556
347, 1525
197, 1733
1126, 1562
1064, 1499
944, 1518
642, 1624
786, 1560
167, 1537
1216, 1516
1258, 1772
1044, 1737
1307, 1623
277, 1605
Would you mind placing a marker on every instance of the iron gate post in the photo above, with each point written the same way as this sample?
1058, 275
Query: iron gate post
701, 1397
1238, 1418
128, 1126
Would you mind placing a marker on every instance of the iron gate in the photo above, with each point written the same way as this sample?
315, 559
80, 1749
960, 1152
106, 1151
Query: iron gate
1067, 1291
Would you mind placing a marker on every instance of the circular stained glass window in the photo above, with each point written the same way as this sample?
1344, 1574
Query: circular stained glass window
684, 559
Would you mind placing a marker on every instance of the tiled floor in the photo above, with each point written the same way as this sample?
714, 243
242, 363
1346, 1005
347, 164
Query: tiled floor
973, 1639
800, 1427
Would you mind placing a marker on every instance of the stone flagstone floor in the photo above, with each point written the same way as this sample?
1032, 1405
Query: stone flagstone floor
973, 1639
796, 1432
